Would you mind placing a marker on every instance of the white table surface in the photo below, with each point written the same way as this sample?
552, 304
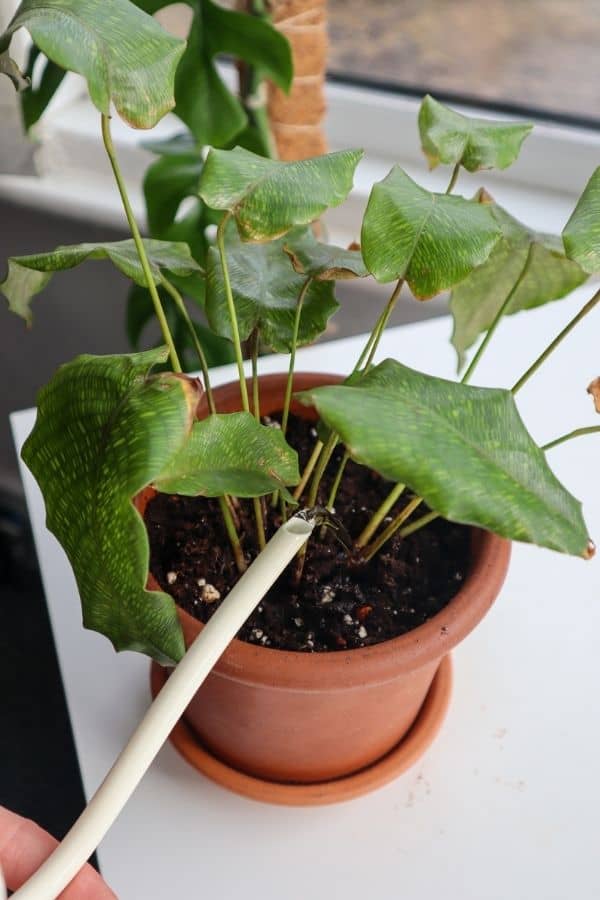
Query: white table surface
505, 803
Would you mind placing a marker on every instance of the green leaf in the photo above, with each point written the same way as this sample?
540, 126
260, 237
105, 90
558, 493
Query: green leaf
28, 275
167, 182
433, 241
35, 100
449, 138
324, 262
464, 449
267, 197
212, 113
105, 429
581, 234
124, 54
231, 454
476, 301
265, 293
140, 314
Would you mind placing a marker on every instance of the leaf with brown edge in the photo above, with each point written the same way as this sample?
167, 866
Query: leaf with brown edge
28, 275
105, 429
594, 389
464, 449
123, 53
323, 262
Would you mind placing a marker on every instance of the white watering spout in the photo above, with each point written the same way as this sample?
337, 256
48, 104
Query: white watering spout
110, 798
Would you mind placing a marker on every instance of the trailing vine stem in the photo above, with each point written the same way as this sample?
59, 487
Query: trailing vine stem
235, 331
139, 244
179, 302
587, 308
578, 432
499, 315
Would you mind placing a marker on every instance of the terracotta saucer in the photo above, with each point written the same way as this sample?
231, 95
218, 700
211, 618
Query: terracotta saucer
390, 766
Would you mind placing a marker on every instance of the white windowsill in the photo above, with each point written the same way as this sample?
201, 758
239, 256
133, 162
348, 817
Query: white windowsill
75, 178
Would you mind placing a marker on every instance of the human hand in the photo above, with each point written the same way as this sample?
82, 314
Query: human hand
23, 848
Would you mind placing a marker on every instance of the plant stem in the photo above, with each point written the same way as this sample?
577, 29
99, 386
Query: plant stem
579, 432
588, 307
375, 336
260, 525
290, 378
232, 313
491, 330
139, 245
392, 528
324, 458
255, 391
419, 523
337, 481
379, 515
308, 470
233, 536
174, 293
454, 178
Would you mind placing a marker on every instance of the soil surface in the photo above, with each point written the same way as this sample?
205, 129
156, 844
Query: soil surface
341, 602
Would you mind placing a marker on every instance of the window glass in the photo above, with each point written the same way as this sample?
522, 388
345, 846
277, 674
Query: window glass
537, 56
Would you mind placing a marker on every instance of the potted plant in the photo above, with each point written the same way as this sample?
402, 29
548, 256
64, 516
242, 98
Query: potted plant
418, 483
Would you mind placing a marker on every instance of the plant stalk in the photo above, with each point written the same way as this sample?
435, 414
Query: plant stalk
178, 299
237, 344
370, 349
232, 535
337, 481
308, 470
579, 432
379, 515
588, 307
255, 390
454, 178
324, 458
290, 377
392, 528
491, 330
139, 245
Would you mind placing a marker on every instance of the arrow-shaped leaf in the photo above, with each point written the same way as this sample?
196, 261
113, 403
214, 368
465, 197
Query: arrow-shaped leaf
450, 138
267, 197
231, 454
265, 292
433, 241
105, 429
581, 234
464, 449
123, 53
549, 275
28, 275
324, 262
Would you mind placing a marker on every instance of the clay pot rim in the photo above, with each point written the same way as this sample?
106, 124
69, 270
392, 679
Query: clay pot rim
375, 664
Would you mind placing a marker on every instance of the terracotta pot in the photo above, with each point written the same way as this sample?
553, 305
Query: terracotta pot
308, 718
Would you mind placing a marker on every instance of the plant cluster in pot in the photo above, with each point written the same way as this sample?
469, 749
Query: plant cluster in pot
338, 680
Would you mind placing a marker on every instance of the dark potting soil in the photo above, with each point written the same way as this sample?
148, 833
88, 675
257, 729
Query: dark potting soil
341, 603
